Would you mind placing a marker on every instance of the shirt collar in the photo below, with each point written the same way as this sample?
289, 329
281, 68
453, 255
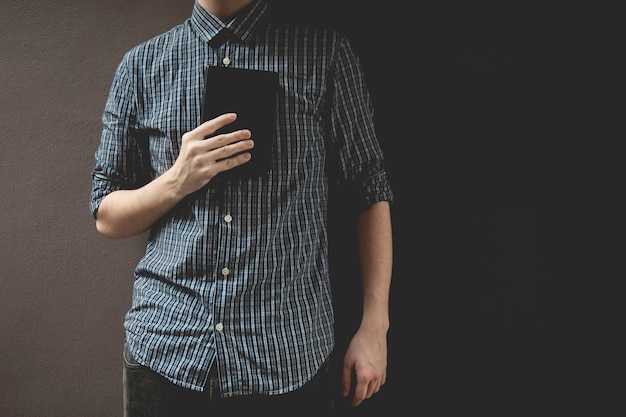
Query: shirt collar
242, 26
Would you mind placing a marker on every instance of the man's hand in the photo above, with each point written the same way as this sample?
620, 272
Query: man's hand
364, 366
202, 159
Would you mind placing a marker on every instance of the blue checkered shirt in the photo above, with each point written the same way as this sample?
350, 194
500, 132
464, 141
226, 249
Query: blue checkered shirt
238, 275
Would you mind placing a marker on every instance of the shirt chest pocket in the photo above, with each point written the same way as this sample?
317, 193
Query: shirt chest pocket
303, 93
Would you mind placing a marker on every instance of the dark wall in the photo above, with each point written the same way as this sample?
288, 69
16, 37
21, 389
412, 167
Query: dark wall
458, 94
460, 98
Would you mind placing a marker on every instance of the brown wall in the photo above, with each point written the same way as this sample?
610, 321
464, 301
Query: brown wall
63, 288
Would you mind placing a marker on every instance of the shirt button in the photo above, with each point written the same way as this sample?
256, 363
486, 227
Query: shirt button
228, 218
219, 327
225, 271
226, 61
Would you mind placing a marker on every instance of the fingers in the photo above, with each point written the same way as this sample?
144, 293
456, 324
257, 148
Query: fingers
346, 380
365, 388
361, 385
201, 158
209, 127
203, 140
204, 134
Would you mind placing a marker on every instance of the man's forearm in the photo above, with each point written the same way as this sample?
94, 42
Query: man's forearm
126, 213
376, 258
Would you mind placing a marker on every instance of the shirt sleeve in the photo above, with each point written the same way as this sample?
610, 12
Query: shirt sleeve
122, 158
356, 160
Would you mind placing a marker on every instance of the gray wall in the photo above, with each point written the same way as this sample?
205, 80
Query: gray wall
63, 288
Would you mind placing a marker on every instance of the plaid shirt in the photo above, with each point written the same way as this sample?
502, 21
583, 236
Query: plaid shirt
237, 274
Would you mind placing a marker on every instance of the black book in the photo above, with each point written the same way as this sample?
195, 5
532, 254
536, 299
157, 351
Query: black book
252, 95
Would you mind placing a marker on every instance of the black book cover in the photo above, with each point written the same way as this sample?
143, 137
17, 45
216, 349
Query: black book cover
252, 95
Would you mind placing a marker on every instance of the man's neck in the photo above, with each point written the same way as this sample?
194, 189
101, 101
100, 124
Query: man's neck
223, 9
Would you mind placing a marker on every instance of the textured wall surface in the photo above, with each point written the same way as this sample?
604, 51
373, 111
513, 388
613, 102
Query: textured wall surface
64, 288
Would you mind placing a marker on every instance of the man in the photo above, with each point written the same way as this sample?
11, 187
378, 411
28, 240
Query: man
232, 304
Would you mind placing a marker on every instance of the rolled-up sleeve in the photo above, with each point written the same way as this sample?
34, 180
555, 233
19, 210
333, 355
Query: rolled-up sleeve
359, 167
121, 160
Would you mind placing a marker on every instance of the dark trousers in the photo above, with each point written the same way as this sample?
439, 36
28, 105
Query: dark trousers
148, 394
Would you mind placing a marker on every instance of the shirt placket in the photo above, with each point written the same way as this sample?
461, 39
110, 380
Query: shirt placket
225, 52
226, 276
222, 269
